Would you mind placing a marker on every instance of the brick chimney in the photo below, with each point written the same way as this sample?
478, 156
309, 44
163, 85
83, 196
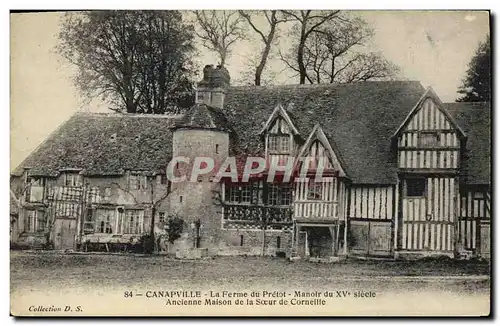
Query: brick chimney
212, 88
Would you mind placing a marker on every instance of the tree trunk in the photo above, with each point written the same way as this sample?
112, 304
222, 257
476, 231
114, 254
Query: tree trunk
265, 55
300, 57
153, 213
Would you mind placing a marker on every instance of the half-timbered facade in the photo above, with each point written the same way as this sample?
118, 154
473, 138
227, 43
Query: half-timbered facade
402, 173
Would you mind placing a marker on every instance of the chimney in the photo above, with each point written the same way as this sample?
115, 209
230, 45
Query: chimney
212, 88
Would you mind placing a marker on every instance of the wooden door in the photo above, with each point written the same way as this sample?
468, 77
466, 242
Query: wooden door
64, 234
380, 239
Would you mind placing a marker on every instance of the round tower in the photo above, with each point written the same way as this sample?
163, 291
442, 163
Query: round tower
200, 137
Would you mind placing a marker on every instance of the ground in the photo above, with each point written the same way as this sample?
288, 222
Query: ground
48, 271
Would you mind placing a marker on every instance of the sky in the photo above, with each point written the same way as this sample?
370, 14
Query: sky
433, 47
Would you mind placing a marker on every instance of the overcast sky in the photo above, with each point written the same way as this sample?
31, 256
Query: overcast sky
431, 47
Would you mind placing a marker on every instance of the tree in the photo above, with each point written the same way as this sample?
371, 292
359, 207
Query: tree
476, 86
309, 21
273, 19
138, 61
219, 30
333, 53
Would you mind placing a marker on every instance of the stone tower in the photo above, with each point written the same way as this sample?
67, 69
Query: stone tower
202, 133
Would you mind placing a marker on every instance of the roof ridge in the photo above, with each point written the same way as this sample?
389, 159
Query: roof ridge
324, 85
129, 115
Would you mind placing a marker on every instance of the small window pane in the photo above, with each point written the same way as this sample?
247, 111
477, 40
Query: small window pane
315, 190
246, 194
285, 144
415, 187
273, 143
429, 139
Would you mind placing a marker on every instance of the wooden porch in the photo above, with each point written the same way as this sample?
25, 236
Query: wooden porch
318, 239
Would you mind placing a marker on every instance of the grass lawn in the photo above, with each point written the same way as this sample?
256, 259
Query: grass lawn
48, 269
98, 282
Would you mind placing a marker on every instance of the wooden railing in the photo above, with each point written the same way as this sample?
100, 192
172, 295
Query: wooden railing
315, 209
258, 213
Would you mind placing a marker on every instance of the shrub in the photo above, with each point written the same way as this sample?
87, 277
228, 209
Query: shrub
175, 226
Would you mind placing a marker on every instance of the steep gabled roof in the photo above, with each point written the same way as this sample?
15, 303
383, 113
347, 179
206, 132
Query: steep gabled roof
279, 111
318, 134
104, 144
475, 119
359, 117
429, 93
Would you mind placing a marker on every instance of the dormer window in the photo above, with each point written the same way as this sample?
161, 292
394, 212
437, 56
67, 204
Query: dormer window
279, 144
71, 179
137, 181
279, 132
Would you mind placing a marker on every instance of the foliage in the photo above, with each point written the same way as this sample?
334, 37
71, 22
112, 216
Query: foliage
145, 244
175, 225
476, 86
137, 61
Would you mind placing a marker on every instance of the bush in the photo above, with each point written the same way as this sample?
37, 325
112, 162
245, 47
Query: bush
144, 245
175, 226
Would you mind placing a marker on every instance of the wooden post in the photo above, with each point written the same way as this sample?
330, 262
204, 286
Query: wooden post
347, 216
337, 233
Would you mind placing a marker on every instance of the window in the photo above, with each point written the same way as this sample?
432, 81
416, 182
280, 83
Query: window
93, 195
68, 210
216, 148
161, 217
107, 194
29, 225
132, 222
41, 221
415, 187
279, 194
104, 221
239, 194
163, 179
428, 139
71, 179
180, 199
279, 144
278, 242
246, 194
137, 181
284, 144
241, 240
35, 221
314, 190
88, 225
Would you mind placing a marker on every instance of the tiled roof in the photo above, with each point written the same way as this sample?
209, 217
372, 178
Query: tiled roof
358, 119
202, 116
104, 144
475, 120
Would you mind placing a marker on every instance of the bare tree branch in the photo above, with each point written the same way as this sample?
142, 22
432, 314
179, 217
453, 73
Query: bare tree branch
219, 30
